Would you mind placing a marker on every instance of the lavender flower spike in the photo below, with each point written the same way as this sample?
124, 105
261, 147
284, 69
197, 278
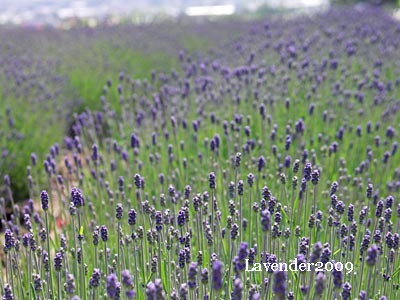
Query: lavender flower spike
217, 275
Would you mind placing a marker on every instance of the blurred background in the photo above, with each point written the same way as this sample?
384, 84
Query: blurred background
65, 13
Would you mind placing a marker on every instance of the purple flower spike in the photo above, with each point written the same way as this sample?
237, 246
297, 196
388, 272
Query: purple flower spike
372, 255
279, 285
113, 287
217, 275
7, 294
58, 259
44, 198
237, 292
319, 284
192, 274
94, 280
77, 197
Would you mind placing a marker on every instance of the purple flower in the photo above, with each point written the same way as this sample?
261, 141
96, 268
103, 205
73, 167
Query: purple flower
288, 161
9, 240
307, 171
94, 280
337, 277
132, 217
334, 188
319, 284
379, 208
204, 276
183, 291
171, 190
234, 231
77, 197
369, 190
37, 283
388, 214
33, 159
262, 110
130, 294
237, 292
69, 285
96, 237
237, 160
296, 166
181, 218
58, 261
138, 180
95, 153
250, 179
127, 280
239, 260
45, 261
7, 181
7, 294
118, 211
372, 255
394, 148
217, 275
265, 220
261, 163
326, 254
240, 187
135, 142
32, 242
113, 287
340, 207
188, 189
315, 177
192, 274
288, 142
181, 258
43, 234
44, 198
121, 183
363, 295
316, 253
279, 285
104, 233
154, 290
159, 220
346, 293
124, 156
212, 180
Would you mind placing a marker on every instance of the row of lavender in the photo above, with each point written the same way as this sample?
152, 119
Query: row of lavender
281, 145
46, 75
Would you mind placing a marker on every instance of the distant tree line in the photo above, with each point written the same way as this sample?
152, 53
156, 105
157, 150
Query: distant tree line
374, 2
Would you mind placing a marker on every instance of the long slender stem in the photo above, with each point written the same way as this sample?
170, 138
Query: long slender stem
75, 248
59, 284
29, 268
118, 247
50, 285
105, 258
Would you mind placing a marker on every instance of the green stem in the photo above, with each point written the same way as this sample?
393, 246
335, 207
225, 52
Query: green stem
59, 285
50, 286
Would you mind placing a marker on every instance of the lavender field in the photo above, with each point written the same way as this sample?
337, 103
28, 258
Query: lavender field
183, 160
